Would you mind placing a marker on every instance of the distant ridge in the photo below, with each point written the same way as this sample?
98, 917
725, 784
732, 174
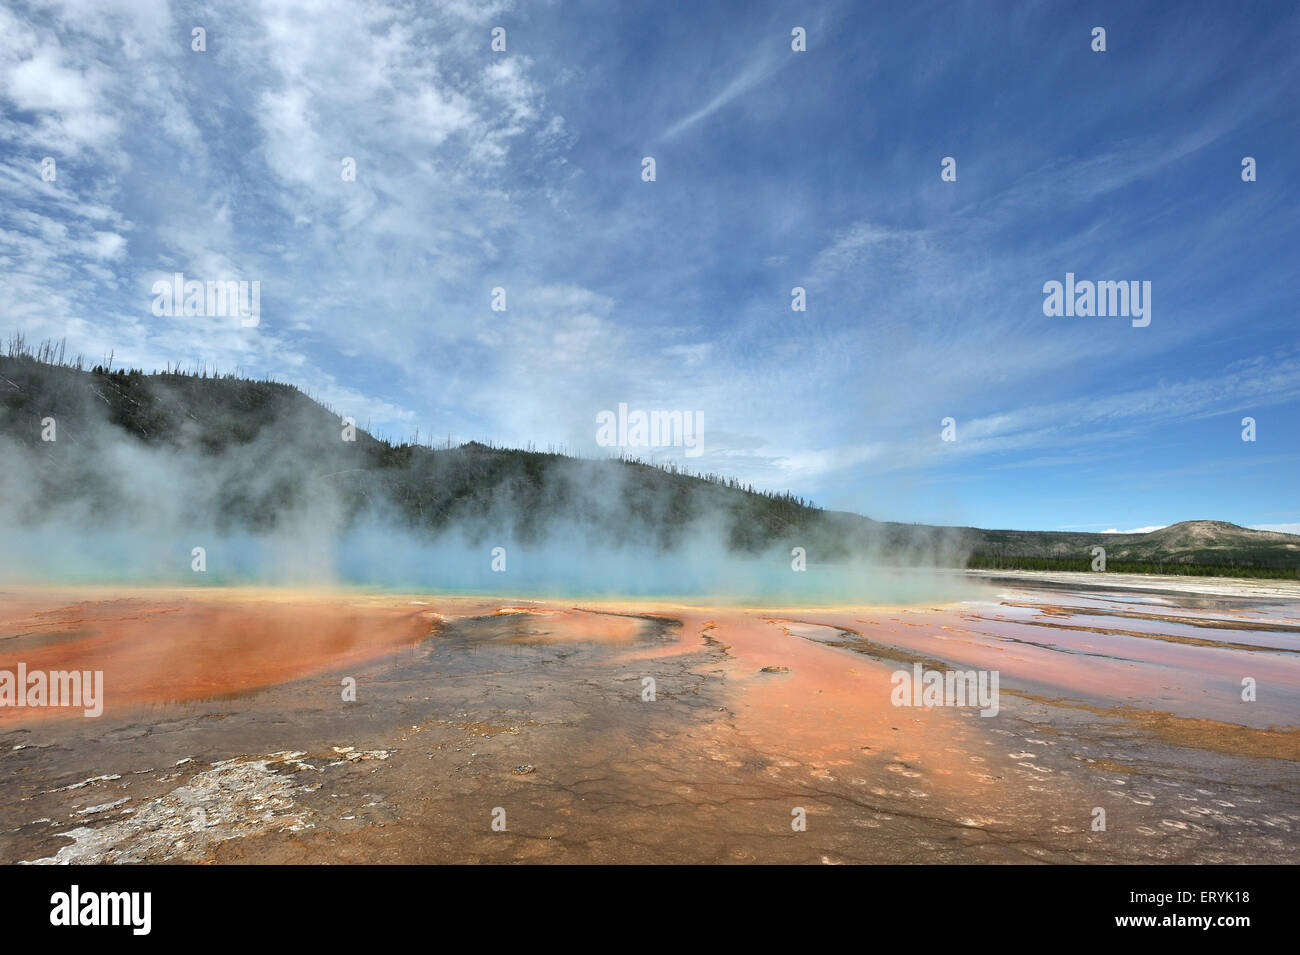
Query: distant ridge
1218, 547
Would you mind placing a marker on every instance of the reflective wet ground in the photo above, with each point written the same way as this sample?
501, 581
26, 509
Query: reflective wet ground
490, 730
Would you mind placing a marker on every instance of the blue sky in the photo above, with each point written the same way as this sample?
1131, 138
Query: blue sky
774, 169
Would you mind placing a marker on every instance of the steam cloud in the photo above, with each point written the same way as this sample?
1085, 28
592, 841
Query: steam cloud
145, 468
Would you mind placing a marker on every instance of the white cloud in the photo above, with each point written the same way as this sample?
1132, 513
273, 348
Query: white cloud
108, 246
43, 83
741, 83
1279, 528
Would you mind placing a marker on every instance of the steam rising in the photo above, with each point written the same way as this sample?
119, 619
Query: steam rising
144, 469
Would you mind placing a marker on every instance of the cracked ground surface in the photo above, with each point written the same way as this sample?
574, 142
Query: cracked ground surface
485, 730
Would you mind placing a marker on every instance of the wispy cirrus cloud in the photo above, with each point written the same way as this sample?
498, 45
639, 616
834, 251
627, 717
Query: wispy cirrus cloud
520, 170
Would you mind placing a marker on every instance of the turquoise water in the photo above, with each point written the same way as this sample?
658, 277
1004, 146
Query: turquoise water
399, 563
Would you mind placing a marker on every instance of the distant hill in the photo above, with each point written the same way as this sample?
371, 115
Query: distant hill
1202, 546
1208, 541
239, 454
